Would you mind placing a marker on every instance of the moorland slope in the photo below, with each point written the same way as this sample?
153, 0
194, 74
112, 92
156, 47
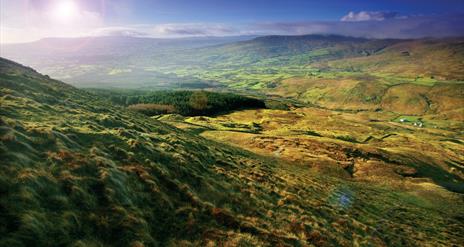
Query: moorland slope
79, 171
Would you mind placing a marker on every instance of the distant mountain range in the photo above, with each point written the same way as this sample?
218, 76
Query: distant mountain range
147, 62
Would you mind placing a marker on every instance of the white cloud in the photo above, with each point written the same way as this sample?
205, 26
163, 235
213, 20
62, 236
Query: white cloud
369, 16
169, 30
411, 27
120, 31
392, 26
193, 29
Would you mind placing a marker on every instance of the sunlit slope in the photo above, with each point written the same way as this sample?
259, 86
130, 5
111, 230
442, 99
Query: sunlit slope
439, 59
433, 59
76, 170
288, 50
364, 92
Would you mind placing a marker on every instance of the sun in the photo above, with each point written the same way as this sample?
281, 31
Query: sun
65, 10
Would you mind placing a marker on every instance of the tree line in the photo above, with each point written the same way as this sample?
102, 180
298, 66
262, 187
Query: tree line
187, 103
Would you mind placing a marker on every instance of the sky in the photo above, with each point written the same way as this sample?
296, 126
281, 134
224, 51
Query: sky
29, 20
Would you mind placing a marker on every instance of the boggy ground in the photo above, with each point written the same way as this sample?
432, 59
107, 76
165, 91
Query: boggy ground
364, 145
422, 167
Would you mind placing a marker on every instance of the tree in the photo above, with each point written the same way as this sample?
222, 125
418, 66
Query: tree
131, 100
199, 100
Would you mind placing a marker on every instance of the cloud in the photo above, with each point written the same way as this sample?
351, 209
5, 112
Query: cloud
20, 22
411, 27
193, 29
394, 27
370, 16
169, 30
120, 31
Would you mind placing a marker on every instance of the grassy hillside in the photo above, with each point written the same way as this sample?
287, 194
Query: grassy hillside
76, 170
435, 59
286, 50
364, 92
79, 171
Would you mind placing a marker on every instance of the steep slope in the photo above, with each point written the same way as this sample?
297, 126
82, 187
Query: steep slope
78, 171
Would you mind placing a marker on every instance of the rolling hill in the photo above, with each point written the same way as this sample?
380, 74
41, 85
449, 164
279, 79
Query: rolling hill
286, 50
369, 93
439, 59
77, 170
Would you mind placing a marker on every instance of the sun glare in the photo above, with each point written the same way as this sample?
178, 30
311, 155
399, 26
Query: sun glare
65, 10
